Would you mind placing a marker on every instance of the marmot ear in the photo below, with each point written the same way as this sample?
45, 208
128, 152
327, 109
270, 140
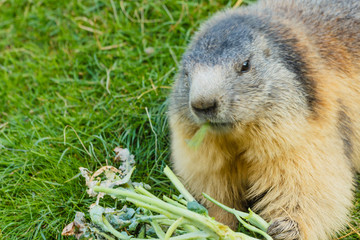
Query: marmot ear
263, 45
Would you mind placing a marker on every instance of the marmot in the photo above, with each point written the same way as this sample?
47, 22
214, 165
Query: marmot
279, 84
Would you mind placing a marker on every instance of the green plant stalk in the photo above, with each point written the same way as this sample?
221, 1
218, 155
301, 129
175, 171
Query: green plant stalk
159, 232
97, 231
142, 232
170, 214
173, 228
157, 203
253, 229
189, 226
221, 230
152, 208
193, 235
112, 230
173, 202
167, 221
97, 217
150, 218
252, 218
179, 186
258, 221
145, 192
186, 236
231, 210
182, 201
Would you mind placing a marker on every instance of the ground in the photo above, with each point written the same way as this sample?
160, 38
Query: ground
77, 79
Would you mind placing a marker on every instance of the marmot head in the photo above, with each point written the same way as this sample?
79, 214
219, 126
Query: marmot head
240, 69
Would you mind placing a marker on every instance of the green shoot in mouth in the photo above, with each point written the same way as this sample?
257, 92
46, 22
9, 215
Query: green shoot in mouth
199, 136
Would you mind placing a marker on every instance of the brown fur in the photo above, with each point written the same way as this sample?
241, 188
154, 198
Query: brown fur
300, 167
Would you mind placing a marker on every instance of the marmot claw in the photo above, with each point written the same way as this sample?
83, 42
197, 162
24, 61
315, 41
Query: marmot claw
284, 229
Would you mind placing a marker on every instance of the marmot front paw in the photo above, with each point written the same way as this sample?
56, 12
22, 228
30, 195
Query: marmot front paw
284, 229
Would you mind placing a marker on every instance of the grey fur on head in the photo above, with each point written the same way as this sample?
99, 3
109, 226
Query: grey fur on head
211, 86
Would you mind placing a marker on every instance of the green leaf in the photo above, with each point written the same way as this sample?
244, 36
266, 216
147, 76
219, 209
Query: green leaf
197, 207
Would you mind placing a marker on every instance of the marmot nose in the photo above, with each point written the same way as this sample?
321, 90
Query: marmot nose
205, 107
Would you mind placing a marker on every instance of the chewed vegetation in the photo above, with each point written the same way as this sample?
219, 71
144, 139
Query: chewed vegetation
178, 217
77, 79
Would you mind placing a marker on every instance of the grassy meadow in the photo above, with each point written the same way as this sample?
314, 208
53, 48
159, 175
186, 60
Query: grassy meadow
77, 79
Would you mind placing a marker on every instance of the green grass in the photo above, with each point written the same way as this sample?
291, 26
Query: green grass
77, 80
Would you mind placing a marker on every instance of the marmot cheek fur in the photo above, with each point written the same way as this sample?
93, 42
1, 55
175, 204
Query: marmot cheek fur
279, 83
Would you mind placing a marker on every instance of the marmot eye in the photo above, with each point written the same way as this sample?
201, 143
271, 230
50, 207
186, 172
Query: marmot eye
245, 66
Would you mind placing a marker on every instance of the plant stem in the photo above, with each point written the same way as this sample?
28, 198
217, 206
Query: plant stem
193, 235
145, 192
179, 186
256, 220
182, 201
231, 210
253, 229
159, 232
152, 208
252, 218
173, 202
173, 227
102, 234
112, 230
150, 218
96, 215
